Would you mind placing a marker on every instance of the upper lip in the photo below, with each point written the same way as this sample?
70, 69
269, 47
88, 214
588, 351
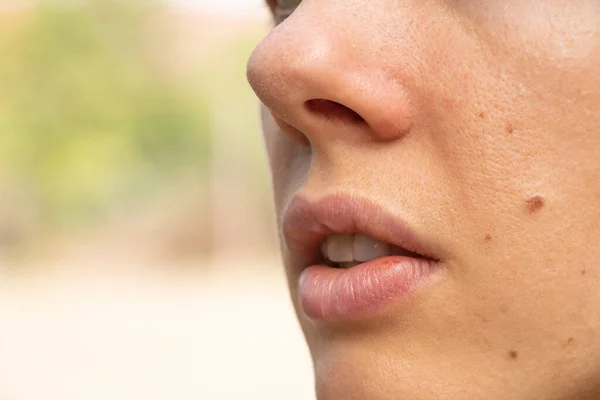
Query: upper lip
307, 223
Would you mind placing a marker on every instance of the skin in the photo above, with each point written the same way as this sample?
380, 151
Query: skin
476, 122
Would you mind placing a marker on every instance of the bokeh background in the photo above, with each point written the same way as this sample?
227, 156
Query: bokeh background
138, 255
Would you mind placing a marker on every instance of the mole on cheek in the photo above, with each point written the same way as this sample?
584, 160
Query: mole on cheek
535, 204
488, 237
513, 354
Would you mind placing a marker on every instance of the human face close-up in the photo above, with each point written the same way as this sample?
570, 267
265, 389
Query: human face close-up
435, 167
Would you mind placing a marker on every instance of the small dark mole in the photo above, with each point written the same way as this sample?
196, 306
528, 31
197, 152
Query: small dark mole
535, 203
570, 340
513, 354
488, 237
509, 128
481, 115
583, 272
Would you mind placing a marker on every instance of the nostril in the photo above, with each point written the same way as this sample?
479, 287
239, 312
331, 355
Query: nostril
331, 110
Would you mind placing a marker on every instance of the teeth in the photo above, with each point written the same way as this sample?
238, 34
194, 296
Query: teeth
340, 247
366, 248
356, 248
346, 265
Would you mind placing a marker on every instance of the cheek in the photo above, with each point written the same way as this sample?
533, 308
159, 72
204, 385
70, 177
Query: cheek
524, 142
523, 121
518, 144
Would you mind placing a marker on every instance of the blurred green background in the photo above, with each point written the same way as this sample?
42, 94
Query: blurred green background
132, 117
138, 255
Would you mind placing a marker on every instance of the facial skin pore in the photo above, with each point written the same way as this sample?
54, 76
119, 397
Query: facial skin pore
477, 124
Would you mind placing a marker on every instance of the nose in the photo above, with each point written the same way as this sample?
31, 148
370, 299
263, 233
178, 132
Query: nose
324, 79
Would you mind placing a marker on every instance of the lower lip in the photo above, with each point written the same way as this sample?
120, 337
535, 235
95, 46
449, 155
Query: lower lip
334, 294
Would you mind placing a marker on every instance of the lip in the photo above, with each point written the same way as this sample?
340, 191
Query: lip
333, 294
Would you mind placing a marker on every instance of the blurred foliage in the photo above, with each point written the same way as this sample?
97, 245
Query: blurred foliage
89, 116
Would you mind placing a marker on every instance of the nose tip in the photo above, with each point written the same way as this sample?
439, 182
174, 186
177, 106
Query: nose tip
321, 84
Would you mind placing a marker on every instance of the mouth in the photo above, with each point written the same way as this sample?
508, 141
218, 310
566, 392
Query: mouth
341, 230
352, 257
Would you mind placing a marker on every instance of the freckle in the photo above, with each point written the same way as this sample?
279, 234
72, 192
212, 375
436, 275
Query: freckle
535, 203
488, 237
509, 128
513, 354
481, 115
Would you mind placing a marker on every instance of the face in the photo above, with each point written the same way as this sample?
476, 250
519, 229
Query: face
454, 145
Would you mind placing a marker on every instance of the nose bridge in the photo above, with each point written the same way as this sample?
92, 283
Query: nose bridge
323, 76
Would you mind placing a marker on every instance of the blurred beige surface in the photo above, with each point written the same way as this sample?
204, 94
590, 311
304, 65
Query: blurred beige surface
130, 154
229, 333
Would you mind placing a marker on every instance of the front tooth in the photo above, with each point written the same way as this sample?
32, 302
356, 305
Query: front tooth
366, 248
339, 247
